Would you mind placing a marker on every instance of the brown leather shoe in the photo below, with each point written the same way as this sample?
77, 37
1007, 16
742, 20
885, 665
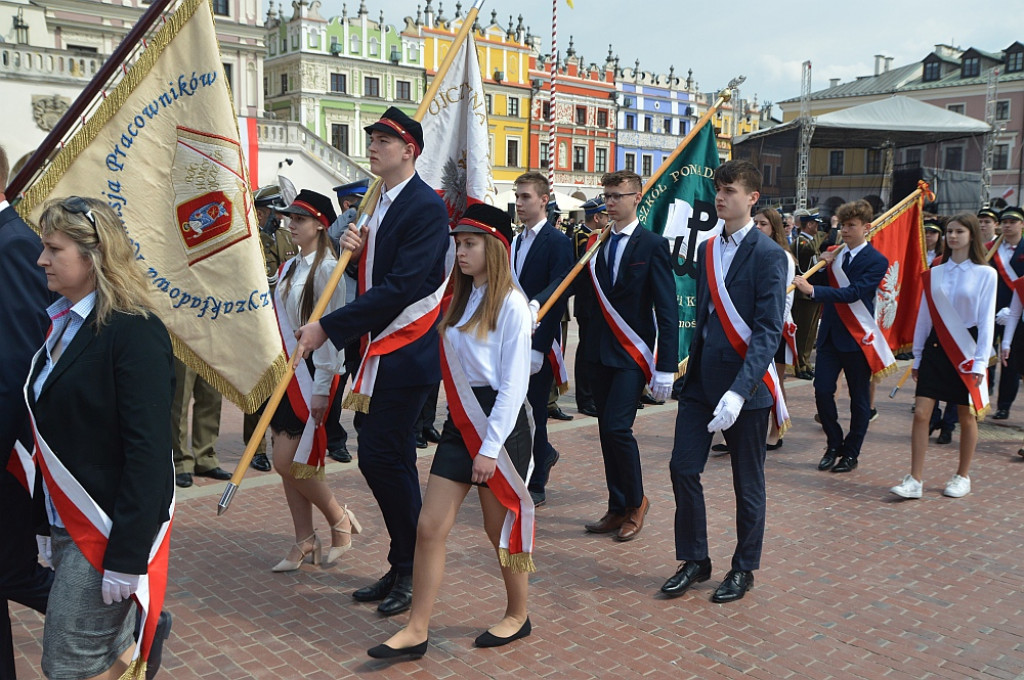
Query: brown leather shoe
607, 524
634, 521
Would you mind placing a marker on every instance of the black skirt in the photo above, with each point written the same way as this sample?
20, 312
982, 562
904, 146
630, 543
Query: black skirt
937, 377
284, 419
780, 354
452, 460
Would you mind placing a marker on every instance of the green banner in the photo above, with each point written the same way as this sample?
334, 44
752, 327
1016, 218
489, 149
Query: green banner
681, 207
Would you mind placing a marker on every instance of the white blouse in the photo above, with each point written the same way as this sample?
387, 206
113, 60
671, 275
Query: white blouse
971, 290
327, 360
500, 361
790, 275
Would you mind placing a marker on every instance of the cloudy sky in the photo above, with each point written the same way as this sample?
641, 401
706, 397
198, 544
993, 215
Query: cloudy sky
765, 41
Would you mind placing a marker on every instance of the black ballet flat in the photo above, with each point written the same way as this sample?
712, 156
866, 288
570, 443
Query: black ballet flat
773, 447
487, 639
413, 652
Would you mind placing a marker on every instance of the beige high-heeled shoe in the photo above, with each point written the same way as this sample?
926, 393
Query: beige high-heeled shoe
336, 551
313, 551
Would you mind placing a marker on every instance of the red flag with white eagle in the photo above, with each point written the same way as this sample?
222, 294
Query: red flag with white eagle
901, 240
456, 158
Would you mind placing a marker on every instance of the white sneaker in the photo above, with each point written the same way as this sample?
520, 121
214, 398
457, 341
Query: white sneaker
957, 487
908, 488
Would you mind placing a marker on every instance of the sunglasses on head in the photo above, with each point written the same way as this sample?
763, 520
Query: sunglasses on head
77, 204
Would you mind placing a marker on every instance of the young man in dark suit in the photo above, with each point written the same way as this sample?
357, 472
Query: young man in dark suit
596, 221
724, 388
24, 320
838, 348
401, 273
539, 256
632, 315
1009, 263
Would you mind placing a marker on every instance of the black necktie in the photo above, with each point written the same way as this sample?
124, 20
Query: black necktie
846, 262
613, 246
515, 262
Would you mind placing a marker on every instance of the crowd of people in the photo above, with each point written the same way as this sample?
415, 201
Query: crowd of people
478, 307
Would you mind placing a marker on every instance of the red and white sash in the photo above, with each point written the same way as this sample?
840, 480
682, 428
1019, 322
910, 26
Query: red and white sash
515, 549
627, 337
956, 342
862, 325
409, 326
311, 454
22, 465
89, 527
789, 335
1010, 277
738, 332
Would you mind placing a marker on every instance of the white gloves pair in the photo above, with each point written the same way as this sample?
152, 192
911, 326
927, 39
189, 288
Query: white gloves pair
536, 361
116, 586
1002, 316
727, 411
661, 385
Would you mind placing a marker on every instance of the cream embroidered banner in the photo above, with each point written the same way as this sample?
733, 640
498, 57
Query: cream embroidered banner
163, 150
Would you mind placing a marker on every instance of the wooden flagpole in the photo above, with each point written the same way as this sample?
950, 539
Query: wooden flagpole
366, 209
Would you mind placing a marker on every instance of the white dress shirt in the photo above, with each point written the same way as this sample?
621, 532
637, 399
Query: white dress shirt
327, 360
971, 290
386, 199
730, 244
790, 275
501, 361
522, 244
627, 232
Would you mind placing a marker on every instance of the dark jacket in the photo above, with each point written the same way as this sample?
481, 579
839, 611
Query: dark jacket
550, 256
867, 270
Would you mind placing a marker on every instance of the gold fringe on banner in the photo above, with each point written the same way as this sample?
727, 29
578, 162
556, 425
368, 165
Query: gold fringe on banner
785, 427
136, 670
887, 371
520, 563
247, 402
563, 388
354, 401
303, 471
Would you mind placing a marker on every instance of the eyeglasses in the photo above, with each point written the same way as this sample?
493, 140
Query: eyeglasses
608, 198
77, 204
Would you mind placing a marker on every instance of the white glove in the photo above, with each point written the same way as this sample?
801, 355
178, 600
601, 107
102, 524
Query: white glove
534, 310
118, 586
536, 361
1002, 316
727, 411
45, 551
661, 385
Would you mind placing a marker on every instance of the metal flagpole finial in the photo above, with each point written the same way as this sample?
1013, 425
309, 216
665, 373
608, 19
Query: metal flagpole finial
736, 82
726, 94
225, 499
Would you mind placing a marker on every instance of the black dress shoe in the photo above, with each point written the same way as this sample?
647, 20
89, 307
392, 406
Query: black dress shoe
260, 462
156, 652
828, 461
688, 573
719, 450
945, 437
385, 652
421, 441
1001, 414
647, 399
400, 597
539, 498
845, 464
377, 591
734, 587
773, 447
183, 479
589, 410
486, 639
431, 434
215, 473
341, 454
558, 414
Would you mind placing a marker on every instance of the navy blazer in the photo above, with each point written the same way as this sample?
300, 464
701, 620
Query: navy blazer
644, 283
867, 270
756, 282
549, 257
23, 320
408, 265
1004, 296
103, 410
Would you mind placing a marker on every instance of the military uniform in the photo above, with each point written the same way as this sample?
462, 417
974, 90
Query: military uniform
806, 311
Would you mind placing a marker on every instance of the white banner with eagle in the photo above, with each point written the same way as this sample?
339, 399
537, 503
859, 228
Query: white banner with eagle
163, 150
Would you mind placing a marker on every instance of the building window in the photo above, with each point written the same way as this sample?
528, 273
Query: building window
581, 115
667, 127
284, 83
602, 118
371, 87
266, 86
1015, 62
353, 43
648, 124
1001, 157
630, 121
630, 159
374, 47
544, 154
971, 67
647, 160
836, 160
403, 90
338, 82
220, 7
229, 75
513, 107
912, 158
601, 160
955, 108
339, 137
489, 103
766, 174
579, 158
873, 165
546, 110
1003, 109
932, 71
512, 153
954, 158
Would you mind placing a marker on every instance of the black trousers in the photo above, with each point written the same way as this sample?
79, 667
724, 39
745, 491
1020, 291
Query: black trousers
858, 380
537, 396
616, 391
387, 459
746, 441
429, 410
582, 371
